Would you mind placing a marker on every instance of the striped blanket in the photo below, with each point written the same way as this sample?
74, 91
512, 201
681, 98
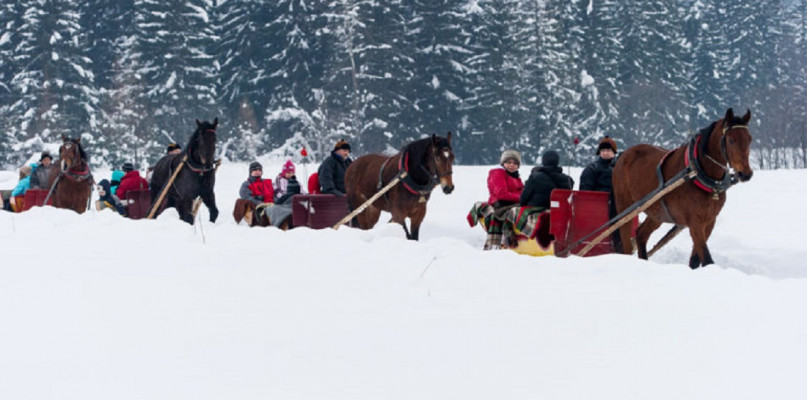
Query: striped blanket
505, 223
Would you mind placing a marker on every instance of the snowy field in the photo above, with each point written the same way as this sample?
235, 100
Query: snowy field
97, 307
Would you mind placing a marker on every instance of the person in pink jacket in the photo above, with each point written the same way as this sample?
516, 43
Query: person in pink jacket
504, 183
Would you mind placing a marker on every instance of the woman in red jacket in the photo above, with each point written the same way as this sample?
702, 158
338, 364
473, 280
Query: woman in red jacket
504, 184
505, 188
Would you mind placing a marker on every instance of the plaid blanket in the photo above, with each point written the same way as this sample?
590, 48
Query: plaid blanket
505, 223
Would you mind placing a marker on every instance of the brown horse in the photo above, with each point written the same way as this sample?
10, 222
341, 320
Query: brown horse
73, 181
713, 153
427, 162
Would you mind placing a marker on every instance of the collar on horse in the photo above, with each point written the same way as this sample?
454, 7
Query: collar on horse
409, 183
692, 160
78, 176
200, 169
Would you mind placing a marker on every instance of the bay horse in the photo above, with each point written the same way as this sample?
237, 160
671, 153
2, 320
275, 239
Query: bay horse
427, 162
714, 152
197, 177
71, 184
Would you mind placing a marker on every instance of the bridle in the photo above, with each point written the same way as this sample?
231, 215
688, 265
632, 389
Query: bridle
199, 168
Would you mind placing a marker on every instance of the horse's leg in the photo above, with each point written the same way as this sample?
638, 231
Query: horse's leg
184, 209
700, 253
643, 235
707, 255
415, 219
209, 199
368, 217
399, 217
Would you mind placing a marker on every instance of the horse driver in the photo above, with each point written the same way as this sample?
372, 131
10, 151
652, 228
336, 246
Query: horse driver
39, 178
597, 175
332, 170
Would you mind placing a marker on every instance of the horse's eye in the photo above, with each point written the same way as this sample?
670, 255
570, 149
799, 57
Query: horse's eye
731, 140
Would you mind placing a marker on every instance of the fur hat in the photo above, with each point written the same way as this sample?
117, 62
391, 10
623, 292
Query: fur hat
45, 154
171, 147
288, 167
510, 155
127, 167
606, 143
550, 158
255, 166
342, 144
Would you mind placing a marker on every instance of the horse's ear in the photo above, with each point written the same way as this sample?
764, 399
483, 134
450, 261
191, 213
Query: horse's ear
448, 137
729, 116
64, 138
215, 122
78, 140
747, 117
434, 139
198, 124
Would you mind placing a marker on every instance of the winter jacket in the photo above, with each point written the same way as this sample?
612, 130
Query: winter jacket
115, 181
39, 177
540, 184
286, 188
257, 190
597, 175
109, 199
131, 181
332, 174
24, 184
504, 188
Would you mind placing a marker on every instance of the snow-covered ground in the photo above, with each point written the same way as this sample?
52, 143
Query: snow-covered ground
95, 306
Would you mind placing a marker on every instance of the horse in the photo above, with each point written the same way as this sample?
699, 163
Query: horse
712, 153
71, 185
196, 178
427, 163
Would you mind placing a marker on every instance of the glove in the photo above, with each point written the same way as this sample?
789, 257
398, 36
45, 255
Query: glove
259, 198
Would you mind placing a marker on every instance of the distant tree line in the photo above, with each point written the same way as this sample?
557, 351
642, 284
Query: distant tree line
130, 76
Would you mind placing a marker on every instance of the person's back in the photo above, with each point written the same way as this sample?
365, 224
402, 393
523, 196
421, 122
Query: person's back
114, 181
543, 179
131, 181
597, 175
332, 170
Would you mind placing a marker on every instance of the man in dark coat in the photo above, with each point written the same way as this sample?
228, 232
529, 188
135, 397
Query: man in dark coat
39, 179
597, 175
543, 179
332, 171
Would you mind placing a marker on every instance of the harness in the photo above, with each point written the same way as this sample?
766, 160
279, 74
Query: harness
421, 189
201, 169
695, 150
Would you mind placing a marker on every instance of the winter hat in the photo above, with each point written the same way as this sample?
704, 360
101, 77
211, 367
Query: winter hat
288, 167
342, 144
255, 166
606, 143
127, 167
45, 155
171, 147
511, 155
550, 158
104, 184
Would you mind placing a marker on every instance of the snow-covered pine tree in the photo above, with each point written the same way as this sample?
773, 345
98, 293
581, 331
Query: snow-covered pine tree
53, 78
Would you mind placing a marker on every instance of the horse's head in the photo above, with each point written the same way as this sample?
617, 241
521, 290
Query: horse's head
203, 142
443, 161
736, 144
70, 153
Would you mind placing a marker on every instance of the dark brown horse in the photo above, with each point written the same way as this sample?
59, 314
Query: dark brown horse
73, 181
197, 177
713, 153
427, 162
